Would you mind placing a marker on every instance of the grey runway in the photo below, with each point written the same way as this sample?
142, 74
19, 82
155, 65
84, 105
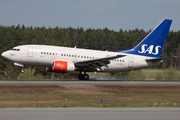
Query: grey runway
89, 113
77, 82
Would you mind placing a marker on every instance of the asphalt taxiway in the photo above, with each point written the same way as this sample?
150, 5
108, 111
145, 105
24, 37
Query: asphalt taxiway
89, 113
77, 82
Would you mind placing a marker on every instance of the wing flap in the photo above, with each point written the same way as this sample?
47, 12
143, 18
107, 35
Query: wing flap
96, 64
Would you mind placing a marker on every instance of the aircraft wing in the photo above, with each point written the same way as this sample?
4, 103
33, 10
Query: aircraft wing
96, 64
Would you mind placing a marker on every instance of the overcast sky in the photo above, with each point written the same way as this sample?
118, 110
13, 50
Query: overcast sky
113, 14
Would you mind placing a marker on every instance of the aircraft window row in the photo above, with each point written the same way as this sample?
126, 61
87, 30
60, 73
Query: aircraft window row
48, 53
118, 60
15, 49
69, 55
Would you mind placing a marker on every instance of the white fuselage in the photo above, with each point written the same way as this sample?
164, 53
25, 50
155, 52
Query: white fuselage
45, 55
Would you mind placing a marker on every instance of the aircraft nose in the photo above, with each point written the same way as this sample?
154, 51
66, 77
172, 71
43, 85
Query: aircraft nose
5, 54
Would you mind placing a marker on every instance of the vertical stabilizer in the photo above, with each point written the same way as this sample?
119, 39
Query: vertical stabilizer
153, 43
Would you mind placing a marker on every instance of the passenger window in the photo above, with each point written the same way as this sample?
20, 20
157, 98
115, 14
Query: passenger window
41, 52
87, 57
81, 56
118, 60
84, 56
49, 53
72, 56
53, 54
69, 55
78, 56
44, 52
18, 49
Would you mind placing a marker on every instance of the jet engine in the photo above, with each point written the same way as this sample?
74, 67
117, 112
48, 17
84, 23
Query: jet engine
61, 66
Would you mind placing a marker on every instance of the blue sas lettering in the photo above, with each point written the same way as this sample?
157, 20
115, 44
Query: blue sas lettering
149, 49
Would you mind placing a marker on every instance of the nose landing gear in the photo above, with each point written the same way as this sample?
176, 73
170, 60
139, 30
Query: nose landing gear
22, 70
83, 76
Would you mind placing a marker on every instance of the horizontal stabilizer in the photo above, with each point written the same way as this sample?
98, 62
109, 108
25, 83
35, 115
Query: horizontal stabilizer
162, 58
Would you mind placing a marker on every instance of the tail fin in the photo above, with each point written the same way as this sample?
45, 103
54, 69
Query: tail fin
152, 44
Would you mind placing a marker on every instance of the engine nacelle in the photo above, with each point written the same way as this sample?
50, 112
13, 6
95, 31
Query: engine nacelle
61, 66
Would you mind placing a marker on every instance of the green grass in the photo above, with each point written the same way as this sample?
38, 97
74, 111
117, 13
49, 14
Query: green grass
153, 74
150, 74
89, 95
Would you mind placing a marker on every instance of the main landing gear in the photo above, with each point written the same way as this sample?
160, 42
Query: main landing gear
83, 76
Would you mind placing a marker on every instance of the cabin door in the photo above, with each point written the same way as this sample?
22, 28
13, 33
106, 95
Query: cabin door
130, 64
30, 52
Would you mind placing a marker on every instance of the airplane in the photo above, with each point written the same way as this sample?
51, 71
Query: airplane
65, 59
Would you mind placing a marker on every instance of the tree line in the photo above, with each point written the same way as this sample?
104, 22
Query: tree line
98, 39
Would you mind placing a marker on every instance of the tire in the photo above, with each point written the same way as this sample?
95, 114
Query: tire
22, 70
81, 77
86, 76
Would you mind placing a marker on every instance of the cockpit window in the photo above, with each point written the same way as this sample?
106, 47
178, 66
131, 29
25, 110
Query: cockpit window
15, 49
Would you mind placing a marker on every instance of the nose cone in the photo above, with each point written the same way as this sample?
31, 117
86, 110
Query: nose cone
5, 55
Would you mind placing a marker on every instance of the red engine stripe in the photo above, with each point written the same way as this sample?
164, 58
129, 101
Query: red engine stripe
60, 66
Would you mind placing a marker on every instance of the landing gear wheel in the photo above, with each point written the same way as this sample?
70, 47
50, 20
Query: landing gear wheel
22, 70
81, 77
86, 76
